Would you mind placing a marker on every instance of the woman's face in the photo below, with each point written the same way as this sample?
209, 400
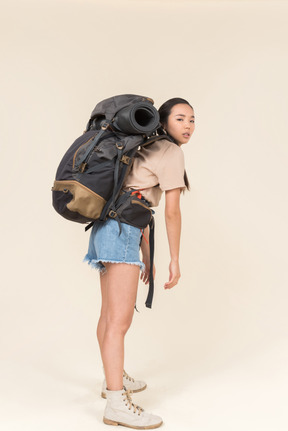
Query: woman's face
181, 123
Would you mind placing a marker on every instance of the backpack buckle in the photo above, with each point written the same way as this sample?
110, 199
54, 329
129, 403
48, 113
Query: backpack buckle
105, 125
119, 145
112, 214
125, 159
82, 167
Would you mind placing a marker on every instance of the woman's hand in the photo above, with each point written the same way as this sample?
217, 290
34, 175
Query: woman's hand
173, 226
174, 274
145, 274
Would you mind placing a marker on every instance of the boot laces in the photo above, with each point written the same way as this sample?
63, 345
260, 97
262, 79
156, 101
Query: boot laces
128, 402
125, 375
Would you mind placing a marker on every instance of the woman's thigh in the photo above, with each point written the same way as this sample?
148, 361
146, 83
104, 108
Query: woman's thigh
119, 291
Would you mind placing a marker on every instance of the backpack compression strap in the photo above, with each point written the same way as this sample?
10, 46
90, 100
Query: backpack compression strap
93, 144
149, 299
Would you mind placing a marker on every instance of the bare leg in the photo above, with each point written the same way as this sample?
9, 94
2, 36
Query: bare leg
119, 290
101, 327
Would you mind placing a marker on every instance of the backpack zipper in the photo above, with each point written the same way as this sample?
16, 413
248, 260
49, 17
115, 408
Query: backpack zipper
75, 154
85, 143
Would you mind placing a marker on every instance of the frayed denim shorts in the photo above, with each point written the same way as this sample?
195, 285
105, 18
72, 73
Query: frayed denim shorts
106, 245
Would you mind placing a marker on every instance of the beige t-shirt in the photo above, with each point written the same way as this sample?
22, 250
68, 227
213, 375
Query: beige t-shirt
157, 168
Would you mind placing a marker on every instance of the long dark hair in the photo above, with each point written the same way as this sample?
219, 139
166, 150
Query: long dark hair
164, 112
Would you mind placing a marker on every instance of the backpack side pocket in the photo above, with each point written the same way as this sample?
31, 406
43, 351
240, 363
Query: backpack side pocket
134, 211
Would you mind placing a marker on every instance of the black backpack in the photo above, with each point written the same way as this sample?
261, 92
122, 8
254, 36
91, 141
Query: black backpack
90, 176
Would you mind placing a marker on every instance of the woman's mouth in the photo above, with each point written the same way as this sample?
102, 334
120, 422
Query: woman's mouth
186, 135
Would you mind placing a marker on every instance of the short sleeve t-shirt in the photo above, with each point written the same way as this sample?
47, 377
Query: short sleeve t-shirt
157, 168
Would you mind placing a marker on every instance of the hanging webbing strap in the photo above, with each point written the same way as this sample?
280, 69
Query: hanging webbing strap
149, 299
118, 182
93, 144
112, 203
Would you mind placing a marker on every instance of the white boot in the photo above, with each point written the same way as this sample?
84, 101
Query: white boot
129, 383
121, 411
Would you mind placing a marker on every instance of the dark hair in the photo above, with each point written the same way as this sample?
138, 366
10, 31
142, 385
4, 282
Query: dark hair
164, 112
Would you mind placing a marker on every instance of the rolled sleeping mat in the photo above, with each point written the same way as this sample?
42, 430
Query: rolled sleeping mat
138, 118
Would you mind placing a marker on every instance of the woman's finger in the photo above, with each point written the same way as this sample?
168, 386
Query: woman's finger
172, 282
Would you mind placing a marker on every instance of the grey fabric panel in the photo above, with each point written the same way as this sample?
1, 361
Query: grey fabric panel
109, 107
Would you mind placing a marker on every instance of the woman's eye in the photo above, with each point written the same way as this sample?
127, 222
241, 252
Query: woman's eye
179, 119
192, 121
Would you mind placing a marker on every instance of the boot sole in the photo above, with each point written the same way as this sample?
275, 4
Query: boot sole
148, 427
103, 395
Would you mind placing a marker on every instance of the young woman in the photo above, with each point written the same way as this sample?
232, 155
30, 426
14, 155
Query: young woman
156, 169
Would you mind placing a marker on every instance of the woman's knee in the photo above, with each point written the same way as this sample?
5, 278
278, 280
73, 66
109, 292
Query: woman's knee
118, 325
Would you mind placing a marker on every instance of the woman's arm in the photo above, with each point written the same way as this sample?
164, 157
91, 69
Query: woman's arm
173, 227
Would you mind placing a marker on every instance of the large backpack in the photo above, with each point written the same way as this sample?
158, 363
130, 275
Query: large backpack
90, 176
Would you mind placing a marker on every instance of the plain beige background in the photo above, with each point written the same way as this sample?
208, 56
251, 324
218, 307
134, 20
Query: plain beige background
214, 350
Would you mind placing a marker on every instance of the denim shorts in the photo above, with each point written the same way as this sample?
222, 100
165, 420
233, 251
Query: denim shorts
106, 245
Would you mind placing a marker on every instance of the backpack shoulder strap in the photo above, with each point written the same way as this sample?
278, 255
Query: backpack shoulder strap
153, 139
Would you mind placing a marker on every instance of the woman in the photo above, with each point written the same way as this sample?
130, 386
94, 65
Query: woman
156, 169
